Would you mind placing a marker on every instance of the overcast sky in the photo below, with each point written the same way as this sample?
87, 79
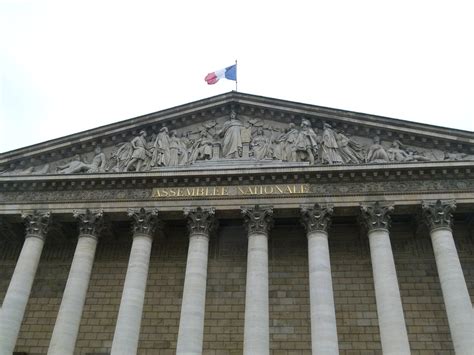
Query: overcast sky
68, 66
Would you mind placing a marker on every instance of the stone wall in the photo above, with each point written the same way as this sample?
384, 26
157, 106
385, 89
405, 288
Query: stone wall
224, 321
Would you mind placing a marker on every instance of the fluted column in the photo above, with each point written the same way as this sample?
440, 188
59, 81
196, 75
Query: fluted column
392, 326
439, 218
69, 316
18, 293
127, 329
256, 326
316, 220
191, 324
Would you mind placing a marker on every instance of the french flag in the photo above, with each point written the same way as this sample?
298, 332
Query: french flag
230, 73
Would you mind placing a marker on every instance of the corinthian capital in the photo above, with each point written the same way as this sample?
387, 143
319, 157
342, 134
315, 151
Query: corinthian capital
376, 216
37, 223
90, 223
438, 214
258, 219
316, 218
200, 220
144, 222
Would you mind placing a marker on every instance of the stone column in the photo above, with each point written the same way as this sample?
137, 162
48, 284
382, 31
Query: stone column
191, 324
127, 329
439, 218
67, 324
392, 326
316, 220
256, 327
18, 293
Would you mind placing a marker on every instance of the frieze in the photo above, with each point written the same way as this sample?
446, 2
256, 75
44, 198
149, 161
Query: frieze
236, 139
323, 189
243, 190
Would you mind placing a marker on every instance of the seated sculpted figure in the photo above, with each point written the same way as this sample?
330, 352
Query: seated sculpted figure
260, 145
202, 147
377, 153
77, 166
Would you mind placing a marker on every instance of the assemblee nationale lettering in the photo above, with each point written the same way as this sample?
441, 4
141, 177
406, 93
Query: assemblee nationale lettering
245, 190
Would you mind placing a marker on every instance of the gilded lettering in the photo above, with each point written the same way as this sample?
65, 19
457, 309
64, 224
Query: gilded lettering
268, 189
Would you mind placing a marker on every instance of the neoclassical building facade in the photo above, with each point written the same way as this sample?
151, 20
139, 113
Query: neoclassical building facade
240, 224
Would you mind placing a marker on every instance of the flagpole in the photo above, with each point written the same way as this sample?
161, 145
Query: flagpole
236, 75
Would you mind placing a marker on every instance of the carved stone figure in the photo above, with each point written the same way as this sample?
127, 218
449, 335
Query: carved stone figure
77, 166
350, 150
246, 132
289, 142
414, 156
232, 142
395, 153
74, 166
454, 156
139, 152
260, 146
161, 149
176, 150
202, 147
398, 154
120, 157
377, 153
306, 143
186, 144
278, 143
329, 147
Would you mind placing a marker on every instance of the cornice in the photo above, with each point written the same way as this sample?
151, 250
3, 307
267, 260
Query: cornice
239, 175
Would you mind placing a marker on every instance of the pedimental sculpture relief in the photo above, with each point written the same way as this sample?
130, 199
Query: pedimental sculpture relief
239, 139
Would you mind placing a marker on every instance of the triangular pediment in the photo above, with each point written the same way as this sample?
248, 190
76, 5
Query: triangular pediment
236, 129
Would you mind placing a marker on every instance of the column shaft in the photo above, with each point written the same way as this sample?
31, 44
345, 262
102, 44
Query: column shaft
18, 293
256, 331
455, 293
393, 332
69, 317
323, 315
191, 325
127, 330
